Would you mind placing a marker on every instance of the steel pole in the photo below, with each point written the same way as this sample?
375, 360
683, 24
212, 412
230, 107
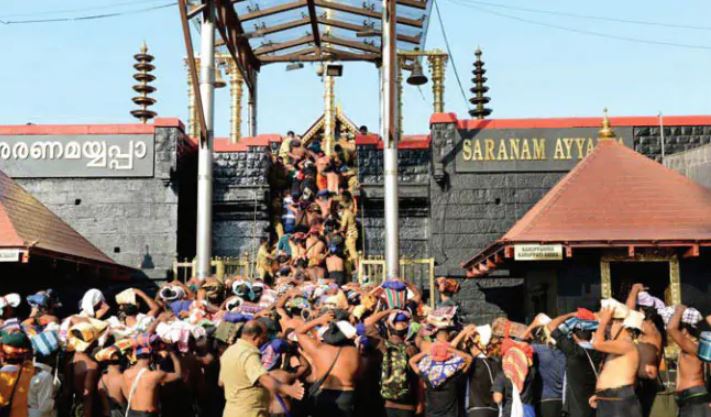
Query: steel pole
390, 135
204, 183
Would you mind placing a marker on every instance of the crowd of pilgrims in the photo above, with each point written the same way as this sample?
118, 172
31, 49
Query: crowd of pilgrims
307, 337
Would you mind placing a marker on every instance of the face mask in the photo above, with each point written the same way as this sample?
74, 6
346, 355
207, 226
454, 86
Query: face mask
585, 344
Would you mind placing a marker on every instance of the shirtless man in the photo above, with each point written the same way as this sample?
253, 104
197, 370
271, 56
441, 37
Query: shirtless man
692, 396
336, 367
336, 266
140, 384
113, 403
290, 313
614, 392
323, 199
84, 372
650, 347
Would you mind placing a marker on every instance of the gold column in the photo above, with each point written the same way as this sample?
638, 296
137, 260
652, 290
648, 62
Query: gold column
193, 125
329, 114
236, 82
437, 63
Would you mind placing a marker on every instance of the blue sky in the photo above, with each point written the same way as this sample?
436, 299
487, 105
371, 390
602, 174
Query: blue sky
80, 72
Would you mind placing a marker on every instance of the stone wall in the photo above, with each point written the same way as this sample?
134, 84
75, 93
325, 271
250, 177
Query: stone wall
647, 139
695, 164
241, 197
414, 173
132, 220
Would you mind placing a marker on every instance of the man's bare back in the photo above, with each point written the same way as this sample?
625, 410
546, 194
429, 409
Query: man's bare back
145, 396
343, 375
85, 373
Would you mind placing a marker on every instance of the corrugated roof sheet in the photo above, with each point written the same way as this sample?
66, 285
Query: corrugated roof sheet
25, 223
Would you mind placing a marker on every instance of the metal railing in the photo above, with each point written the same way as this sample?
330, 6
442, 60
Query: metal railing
221, 267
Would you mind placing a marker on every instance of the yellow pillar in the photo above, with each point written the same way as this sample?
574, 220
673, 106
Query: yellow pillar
329, 125
236, 82
193, 125
437, 63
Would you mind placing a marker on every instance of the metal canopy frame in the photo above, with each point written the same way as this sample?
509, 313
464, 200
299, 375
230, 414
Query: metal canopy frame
260, 32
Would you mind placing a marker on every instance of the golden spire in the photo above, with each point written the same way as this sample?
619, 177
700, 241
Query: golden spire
606, 132
144, 77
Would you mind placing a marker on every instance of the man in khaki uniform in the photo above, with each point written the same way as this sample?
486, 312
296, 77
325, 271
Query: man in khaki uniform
350, 228
247, 384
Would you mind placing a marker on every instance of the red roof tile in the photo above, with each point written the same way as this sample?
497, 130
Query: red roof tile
27, 223
615, 195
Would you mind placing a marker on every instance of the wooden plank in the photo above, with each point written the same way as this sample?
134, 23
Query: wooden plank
273, 10
283, 45
365, 12
351, 44
360, 28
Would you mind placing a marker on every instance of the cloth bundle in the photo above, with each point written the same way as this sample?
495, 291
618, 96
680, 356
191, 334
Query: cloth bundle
517, 357
451, 286
394, 293
45, 343
179, 332
442, 317
691, 316
437, 373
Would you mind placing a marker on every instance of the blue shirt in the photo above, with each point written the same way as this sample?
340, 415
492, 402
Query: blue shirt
550, 363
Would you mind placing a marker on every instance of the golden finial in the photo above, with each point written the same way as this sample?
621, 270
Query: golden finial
143, 75
606, 132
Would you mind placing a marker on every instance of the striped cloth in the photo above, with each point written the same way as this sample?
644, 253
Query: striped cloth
395, 294
45, 343
515, 364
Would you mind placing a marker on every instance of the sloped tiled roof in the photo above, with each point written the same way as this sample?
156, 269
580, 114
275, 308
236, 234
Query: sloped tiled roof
615, 195
27, 223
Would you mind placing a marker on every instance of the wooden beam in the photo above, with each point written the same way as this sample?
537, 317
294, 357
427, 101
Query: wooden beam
365, 12
283, 45
272, 10
185, 25
692, 252
230, 28
314, 22
350, 56
351, 44
327, 54
196, 10
278, 28
417, 4
360, 28
290, 57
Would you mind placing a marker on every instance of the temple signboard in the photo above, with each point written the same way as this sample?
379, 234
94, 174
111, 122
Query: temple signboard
80, 156
536, 252
530, 149
10, 255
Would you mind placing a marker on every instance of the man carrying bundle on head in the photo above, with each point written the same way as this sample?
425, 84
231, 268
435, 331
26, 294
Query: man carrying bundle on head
692, 396
572, 333
615, 391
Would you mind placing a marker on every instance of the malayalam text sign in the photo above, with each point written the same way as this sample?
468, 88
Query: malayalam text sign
531, 149
47, 156
534, 252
